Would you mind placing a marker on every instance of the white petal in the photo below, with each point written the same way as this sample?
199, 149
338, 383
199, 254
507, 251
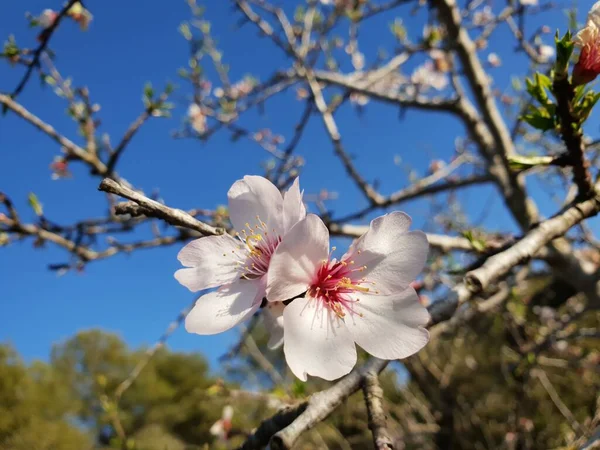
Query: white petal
273, 320
227, 413
217, 428
316, 342
293, 206
221, 310
390, 326
594, 14
297, 258
212, 262
393, 256
255, 196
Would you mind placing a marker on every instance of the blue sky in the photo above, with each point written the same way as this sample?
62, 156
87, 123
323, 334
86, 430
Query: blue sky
128, 44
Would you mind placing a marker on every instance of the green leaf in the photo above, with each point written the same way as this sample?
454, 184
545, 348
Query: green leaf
169, 88
564, 50
584, 108
477, 243
148, 91
35, 204
539, 119
183, 73
298, 388
516, 84
185, 31
537, 88
10, 47
299, 14
398, 29
543, 80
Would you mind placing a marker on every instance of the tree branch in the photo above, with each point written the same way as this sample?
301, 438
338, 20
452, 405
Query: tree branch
500, 264
170, 215
572, 135
377, 417
47, 35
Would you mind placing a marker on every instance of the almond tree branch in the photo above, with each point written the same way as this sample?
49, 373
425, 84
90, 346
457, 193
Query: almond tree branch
439, 241
330, 125
47, 35
377, 418
572, 135
499, 265
132, 130
560, 405
512, 187
176, 217
70, 147
496, 146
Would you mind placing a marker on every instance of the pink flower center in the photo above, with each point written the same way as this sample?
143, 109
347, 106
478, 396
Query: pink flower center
335, 283
256, 248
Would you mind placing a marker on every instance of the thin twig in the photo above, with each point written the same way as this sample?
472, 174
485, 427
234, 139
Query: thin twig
47, 35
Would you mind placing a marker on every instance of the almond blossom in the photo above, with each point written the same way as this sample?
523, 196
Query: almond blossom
427, 76
197, 118
545, 53
363, 298
80, 15
588, 39
238, 264
222, 427
47, 18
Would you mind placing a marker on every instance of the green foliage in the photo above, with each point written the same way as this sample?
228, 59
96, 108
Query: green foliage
35, 204
10, 47
69, 403
478, 243
36, 407
583, 108
398, 29
564, 51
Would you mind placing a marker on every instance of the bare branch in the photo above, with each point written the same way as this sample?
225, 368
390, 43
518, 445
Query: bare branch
377, 417
500, 264
173, 216
564, 410
438, 241
70, 147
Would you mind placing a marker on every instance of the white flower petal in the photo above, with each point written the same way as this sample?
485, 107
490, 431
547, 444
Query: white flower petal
221, 310
211, 260
255, 196
217, 428
594, 14
316, 342
273, 320
293, 206
390, 326
295, 262
393, 256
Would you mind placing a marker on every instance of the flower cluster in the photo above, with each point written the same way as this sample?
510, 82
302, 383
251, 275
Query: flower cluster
319, 307
48, 16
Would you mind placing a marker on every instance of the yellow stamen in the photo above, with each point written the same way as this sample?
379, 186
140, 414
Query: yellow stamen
347, 284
